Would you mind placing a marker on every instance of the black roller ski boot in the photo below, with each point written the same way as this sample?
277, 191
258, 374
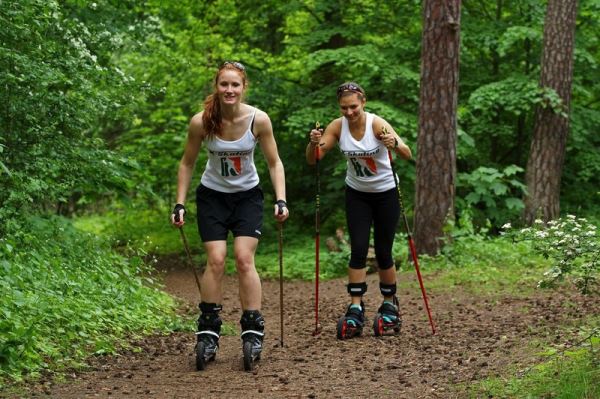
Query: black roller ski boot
209, 330
253, 327
351, 324
388, 320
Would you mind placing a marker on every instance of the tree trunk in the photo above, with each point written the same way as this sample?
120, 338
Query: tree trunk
551, 128
436, 143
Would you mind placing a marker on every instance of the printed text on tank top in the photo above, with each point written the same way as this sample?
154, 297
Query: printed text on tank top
368, 167
231, 161
230, 165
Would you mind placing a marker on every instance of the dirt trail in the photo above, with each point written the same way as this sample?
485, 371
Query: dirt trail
477, 337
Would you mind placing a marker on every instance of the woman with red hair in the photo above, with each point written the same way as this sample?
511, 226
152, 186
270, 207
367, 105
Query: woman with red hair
229, 198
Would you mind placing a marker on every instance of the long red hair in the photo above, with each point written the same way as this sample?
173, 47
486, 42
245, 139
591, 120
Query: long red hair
212, 117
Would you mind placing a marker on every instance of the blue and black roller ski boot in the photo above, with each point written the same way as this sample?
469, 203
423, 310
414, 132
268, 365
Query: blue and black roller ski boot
253, 327
209, 330
388, 320
351, 324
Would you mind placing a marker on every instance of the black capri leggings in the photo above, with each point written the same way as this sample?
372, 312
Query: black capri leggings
381, 210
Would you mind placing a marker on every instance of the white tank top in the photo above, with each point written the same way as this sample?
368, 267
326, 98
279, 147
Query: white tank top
230, 167
368, 167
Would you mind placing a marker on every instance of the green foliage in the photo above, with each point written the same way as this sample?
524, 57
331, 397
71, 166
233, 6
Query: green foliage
572, 374
66, 294
495, 194
299, 257
59, 87
573, 245
140, 226
128, 76
490, 265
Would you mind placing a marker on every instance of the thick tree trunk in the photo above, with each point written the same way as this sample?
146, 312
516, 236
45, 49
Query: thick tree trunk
436, 143
547, 153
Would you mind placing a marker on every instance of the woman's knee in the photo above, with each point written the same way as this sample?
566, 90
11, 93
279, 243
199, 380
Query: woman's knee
216, 264
384, 260
244, 262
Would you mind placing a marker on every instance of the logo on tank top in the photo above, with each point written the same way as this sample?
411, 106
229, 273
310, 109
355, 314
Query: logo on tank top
364, 166
231, 166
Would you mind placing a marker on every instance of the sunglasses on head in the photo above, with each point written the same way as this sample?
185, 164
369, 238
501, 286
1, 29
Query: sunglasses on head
234, 64
349, 87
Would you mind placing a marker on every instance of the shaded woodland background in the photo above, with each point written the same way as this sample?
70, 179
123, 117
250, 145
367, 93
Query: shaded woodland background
498, 100
97, 96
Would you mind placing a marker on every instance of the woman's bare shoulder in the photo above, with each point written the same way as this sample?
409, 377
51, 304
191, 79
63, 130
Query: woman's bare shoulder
196, 124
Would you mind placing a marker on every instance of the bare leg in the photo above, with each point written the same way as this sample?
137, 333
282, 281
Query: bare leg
250, 287
212, 279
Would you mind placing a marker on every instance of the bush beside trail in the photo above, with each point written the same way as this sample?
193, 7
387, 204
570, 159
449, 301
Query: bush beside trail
66, 294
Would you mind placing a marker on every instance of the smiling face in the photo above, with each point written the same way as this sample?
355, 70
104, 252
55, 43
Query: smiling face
230, 86
352, 105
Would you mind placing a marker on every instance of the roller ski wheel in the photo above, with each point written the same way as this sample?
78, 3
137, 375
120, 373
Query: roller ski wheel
251, 350
387, 321
346, 331
381, 328
351, 324
203, 356
206, 351
248, 358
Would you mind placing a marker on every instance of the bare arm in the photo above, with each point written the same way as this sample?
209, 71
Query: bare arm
264, 131
391, 140
326, 141
188, 161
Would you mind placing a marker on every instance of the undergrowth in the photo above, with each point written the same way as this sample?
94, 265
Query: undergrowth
562, 373
67, 294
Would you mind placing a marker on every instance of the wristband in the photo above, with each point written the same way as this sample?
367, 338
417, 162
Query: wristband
176, 210
280, 204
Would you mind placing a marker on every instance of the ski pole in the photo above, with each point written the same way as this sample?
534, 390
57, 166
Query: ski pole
317, 234
189, 255
281, 278
411, 243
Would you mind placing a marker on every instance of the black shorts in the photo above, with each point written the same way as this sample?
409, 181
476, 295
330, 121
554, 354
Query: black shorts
219, 212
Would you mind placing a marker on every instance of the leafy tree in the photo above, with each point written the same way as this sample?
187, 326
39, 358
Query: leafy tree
58, 83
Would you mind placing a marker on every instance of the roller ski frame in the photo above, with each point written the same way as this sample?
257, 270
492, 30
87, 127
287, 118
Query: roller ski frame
204, 352
251, 349
382, 327
346, 330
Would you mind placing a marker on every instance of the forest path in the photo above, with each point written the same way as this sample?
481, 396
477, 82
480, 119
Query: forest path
477, 336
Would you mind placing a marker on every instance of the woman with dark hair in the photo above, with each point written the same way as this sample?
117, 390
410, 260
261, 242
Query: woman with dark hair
371, 200
229, 198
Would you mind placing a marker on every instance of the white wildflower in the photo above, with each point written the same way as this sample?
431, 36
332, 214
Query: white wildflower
507, 226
